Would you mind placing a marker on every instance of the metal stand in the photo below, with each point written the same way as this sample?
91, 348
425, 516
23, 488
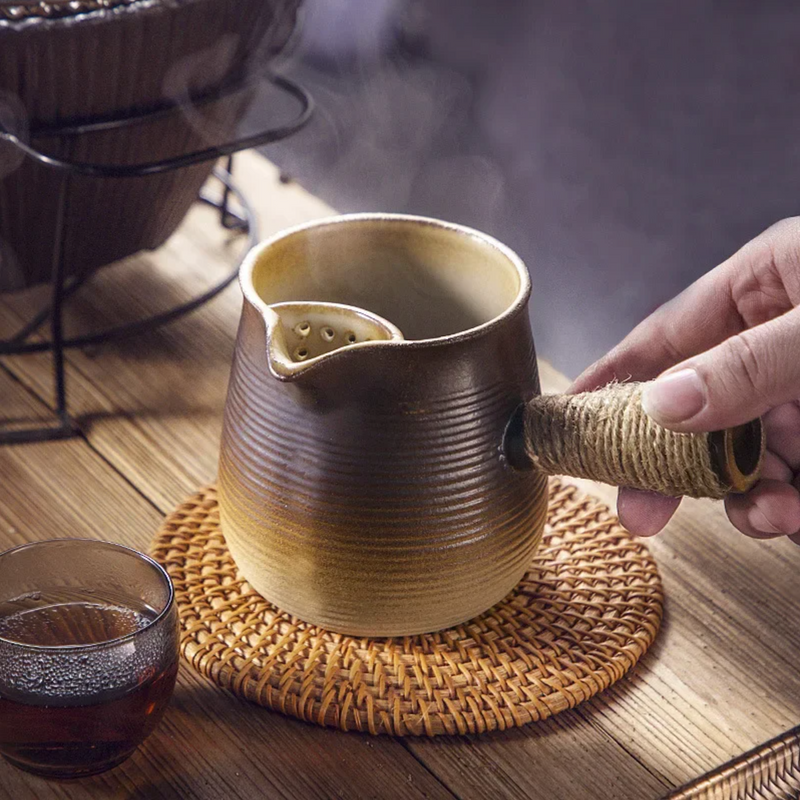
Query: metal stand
19, 343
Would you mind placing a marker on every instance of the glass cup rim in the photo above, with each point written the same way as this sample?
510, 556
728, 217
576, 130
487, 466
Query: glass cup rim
71, 648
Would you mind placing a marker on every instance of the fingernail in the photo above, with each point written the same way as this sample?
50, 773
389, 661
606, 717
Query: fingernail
675, 397
757, 518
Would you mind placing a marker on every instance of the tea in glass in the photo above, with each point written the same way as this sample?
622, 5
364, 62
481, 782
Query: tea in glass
88, 654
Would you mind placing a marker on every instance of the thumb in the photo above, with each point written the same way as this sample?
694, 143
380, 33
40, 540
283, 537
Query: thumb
732, 383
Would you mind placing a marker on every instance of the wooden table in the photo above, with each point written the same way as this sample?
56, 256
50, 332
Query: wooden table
721, 678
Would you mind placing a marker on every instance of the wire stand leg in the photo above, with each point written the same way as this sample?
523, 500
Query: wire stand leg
241, 221
224, 211
229, 219
65, 427
56, 316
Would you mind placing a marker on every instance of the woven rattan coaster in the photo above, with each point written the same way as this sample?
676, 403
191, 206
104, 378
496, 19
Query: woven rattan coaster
583, 615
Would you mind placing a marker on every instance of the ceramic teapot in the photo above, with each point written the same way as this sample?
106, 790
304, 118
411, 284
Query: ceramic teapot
367, 479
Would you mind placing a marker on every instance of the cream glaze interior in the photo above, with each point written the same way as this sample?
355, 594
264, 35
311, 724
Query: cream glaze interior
428, 278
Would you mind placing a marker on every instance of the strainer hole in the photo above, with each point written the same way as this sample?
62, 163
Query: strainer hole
301, 353
327, 333
350, 337
302, 328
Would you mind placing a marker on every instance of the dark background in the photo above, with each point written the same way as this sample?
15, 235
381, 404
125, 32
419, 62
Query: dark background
622, 148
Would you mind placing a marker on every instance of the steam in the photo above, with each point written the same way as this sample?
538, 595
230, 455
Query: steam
184, 79
386, 130
224, 62
387, 135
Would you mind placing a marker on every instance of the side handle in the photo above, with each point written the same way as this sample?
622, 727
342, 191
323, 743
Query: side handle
606, 436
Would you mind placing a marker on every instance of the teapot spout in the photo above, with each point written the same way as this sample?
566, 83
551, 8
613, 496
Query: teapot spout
301, 334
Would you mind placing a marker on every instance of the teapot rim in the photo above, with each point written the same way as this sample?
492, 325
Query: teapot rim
520, 301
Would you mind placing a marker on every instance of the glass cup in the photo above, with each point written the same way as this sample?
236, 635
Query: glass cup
88, 654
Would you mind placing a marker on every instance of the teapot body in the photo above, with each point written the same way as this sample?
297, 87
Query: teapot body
369, 494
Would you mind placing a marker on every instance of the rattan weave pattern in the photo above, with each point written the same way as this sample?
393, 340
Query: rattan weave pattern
583, 615
770, 772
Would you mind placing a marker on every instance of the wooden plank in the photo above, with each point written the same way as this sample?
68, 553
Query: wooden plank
209, 745
158, 415
563, 757
722, 677
720, 680
156, 419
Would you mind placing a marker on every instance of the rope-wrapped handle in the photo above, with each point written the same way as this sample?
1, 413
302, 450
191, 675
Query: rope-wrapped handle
606, 436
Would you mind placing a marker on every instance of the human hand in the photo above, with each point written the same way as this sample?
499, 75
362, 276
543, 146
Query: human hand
726, 350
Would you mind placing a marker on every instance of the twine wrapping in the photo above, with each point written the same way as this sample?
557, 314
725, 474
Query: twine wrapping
606, 436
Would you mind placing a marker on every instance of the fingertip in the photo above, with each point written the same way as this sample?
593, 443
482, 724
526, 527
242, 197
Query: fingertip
645, 513
769, 510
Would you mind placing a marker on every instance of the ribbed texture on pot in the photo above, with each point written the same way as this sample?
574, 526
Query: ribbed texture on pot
376, 501
112, 62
